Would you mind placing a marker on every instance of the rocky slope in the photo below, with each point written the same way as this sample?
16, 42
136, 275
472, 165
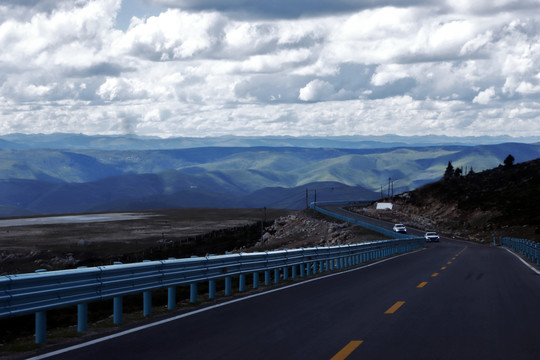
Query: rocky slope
503, 201
307, 229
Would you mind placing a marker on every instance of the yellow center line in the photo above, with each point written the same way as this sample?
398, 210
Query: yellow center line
453, 258
347, 350
422, 284
443, 268
449, 262
394, 307
434, 274
462, 250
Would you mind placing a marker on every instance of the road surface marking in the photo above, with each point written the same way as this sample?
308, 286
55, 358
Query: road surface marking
422, 284
394, 307
347, 350
434, 274
462, 250
453, 258
449, 262
523, 261
443, 268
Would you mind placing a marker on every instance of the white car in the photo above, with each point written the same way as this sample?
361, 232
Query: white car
431, 236
400, 228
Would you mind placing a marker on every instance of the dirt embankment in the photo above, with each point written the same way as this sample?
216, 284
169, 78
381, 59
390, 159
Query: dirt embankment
308, 228
448, 219
498, 202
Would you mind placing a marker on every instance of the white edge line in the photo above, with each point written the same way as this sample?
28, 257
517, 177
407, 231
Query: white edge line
523, 261
174, 318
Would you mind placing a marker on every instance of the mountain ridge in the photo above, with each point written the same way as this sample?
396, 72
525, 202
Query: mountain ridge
39, 181
130, 142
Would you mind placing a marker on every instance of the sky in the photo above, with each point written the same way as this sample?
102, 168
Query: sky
285, 67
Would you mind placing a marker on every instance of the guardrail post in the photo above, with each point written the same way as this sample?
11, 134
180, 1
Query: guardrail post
302, 269
276, 276
193, 292
212, 289
256, 280
286, 273
171, 298
118, 309
41, 327
308, 268
294, 275
82, 317
242, 283
228, 285
147, 303
267, 280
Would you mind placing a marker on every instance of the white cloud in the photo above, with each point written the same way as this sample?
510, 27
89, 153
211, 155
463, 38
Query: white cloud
120, 89
209, 68
386, 74
173, 35
484, 97
316, 90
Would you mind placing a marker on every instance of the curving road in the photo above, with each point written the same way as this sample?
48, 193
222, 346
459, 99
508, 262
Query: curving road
451, 300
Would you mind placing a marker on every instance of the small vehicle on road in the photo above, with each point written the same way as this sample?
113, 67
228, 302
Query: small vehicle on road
400, 228
431, 236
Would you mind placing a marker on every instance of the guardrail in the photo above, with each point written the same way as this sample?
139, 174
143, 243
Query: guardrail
45, 290
378, 229
528, 248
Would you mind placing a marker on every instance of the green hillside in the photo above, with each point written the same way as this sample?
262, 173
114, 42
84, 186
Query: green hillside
52, 181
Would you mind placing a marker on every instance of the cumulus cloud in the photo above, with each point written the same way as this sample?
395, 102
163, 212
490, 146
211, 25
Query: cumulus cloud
172, 35
484, 97
316, 90
209, 67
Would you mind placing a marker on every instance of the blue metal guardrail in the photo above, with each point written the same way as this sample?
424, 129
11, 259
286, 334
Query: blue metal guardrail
378, 229
528, 248
45, 290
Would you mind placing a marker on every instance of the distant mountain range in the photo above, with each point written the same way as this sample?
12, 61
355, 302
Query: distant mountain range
131, 142
59, 174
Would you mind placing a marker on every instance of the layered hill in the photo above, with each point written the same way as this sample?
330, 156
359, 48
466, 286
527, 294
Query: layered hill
48, 180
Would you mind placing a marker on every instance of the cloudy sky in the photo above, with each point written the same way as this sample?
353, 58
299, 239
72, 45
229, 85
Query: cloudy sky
260, 67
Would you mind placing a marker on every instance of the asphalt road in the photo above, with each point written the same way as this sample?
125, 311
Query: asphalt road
337, 209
